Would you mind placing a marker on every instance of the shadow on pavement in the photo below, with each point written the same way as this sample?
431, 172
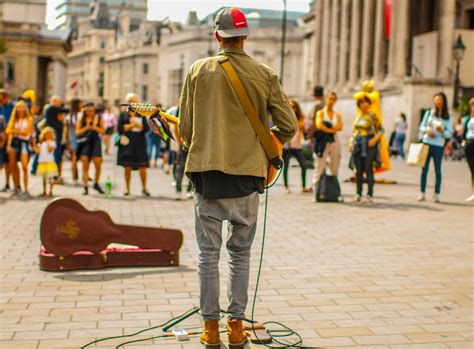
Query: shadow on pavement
395, 206
122, 273
457, 204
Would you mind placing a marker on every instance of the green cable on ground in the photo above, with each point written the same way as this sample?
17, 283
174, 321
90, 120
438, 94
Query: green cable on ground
288, 331
277, 333
184, 315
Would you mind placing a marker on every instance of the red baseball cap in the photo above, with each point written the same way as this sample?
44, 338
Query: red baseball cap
231, 22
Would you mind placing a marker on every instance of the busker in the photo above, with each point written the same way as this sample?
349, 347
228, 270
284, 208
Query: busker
227, 166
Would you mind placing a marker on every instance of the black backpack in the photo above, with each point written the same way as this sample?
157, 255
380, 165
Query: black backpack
328, 189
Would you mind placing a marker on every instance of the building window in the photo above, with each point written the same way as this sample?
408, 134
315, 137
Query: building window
145, 68
175, 84
470, 19
101, 60
144, 92
102, 44
10, 71
100, 91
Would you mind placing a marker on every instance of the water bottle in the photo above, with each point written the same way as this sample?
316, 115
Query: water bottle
108, 187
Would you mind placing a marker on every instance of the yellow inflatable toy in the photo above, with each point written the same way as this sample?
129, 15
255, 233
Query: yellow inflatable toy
368, 90
31, 95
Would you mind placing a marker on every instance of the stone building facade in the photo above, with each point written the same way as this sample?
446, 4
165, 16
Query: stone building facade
110, 58
180, 49
132, 64
404, 46
35, 58
94, 38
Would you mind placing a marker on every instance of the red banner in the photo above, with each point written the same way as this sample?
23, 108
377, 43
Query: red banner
388, 18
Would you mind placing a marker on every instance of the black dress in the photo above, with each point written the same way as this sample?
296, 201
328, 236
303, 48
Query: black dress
89, 143
134, 154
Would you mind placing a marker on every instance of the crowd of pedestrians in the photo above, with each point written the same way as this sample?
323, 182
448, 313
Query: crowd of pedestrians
34, 142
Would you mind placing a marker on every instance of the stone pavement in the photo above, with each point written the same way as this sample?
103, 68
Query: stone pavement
397, 274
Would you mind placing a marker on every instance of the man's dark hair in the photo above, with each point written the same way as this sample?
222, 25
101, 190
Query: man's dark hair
232, 41
318, 91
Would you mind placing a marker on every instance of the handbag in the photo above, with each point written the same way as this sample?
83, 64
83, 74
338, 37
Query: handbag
417, 154
124, 140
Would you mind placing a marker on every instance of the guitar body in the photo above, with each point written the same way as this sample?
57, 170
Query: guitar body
76, 238
272, 171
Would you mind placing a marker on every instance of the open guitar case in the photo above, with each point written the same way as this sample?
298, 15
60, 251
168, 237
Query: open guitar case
73, 238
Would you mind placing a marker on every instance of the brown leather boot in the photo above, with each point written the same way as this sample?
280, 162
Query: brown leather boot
237, 336
210, 334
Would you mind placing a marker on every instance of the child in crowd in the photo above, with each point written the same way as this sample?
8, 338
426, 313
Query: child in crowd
47, 168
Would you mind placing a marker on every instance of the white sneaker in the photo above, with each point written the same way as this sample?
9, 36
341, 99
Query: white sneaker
178, 195
357, 198
421, 197
470, 198
369, 199
190, 195
436, 198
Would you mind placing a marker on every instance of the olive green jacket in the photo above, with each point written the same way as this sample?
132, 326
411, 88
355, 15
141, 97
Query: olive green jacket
214, 126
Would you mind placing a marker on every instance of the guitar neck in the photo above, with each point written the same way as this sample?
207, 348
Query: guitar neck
170, 118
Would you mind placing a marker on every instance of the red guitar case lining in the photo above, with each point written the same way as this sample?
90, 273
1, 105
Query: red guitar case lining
109, 258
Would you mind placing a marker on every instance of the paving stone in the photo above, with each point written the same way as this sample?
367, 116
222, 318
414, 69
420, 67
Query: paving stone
401, 281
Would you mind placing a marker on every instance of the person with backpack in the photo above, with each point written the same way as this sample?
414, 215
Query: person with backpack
328, 149
436, 127
468, 142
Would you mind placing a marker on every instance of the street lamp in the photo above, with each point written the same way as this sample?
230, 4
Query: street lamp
458, 54
283, 42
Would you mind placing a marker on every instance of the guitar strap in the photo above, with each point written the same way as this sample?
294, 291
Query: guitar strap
262, 133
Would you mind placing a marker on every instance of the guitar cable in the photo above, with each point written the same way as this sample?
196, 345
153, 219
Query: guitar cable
276, 334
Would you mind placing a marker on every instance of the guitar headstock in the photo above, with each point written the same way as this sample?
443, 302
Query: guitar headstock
144, 109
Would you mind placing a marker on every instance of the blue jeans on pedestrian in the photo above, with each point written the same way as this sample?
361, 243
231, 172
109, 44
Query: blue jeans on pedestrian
241, 214
400, 139
153, 141
34, 164
435, 153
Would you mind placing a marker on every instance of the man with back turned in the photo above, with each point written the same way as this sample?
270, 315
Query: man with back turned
227, 166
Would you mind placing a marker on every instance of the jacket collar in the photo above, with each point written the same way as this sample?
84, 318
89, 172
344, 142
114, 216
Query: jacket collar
229, 51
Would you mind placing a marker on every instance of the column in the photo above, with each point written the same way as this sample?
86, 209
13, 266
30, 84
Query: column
59, 77
397, 60
367, 39
355, 43
380, 42
447, 14
344, 42
334, 44
323, 71
318, 18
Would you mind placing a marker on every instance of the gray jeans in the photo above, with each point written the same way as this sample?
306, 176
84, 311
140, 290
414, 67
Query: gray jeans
241, 214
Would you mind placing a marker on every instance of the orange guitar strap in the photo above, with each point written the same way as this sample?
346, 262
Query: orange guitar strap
262, 133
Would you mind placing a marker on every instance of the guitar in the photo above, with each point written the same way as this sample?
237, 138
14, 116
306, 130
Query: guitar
274, 167
148, 110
